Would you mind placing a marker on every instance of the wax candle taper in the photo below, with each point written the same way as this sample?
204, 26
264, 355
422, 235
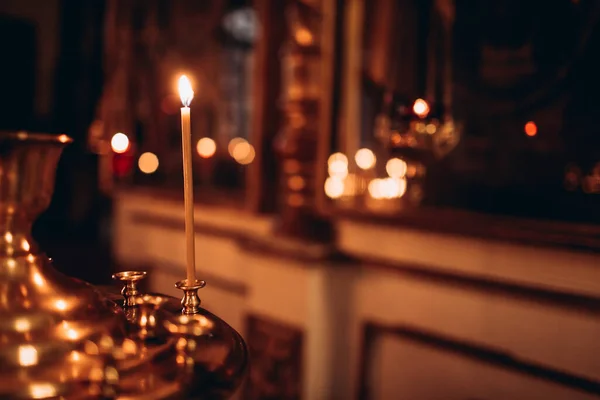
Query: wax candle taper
187, 94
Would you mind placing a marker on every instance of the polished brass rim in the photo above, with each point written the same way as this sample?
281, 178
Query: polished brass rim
129, 275
183, 284
35, 137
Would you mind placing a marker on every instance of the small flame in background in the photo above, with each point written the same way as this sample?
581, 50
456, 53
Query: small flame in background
341, 183
186, 93
421, 108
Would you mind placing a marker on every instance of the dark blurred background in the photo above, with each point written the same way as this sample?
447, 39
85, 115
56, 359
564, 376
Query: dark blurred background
509, 128
52, 77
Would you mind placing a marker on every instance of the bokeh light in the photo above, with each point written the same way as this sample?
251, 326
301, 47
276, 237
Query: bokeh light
374, 189
396, 168
334, 187
337, 165
365, 159
63, 138
337, 157
531, 129
119, 143
421, 108
206, 147
148, 163
387, 188
28, 355
304, 37
242, 152
233, 143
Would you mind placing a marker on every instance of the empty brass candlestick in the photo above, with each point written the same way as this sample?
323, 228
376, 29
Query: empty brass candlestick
130, 290
190, 300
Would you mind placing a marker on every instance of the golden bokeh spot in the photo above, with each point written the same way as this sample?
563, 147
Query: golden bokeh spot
206, 147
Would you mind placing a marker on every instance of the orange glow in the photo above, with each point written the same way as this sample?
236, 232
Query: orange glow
22, 325
296, 183
375, 189
396, 168
249, 158
206, 147
304, 37
186, 93
352, 185
430, 128
531, 129
243, 153
395, 187
75, 356
421, 108
338, 168
71, 334
337, 165
28, 355
148, 163
334, 187
365, 159
38, 280
241, 150
233, 143
388, 188
337, 157
119, 143
42, 390
60, 304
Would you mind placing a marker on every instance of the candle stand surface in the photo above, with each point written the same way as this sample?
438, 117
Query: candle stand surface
63, 338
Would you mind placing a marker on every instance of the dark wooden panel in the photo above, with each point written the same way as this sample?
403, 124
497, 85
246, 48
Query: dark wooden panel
276, 359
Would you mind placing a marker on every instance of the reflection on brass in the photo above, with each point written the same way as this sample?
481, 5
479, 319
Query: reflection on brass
145, 321
61, 337
189, 325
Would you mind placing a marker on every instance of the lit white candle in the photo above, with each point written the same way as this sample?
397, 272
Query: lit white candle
187, 94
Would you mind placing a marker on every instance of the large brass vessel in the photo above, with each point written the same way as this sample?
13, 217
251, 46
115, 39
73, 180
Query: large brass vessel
63, 338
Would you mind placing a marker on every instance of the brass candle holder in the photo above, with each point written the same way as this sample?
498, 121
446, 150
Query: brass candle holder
130, 290
63, 338
190, 300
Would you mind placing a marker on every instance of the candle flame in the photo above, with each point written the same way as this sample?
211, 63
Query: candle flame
185, 91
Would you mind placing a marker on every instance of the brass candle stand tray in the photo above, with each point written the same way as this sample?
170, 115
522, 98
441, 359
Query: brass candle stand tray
63, 338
